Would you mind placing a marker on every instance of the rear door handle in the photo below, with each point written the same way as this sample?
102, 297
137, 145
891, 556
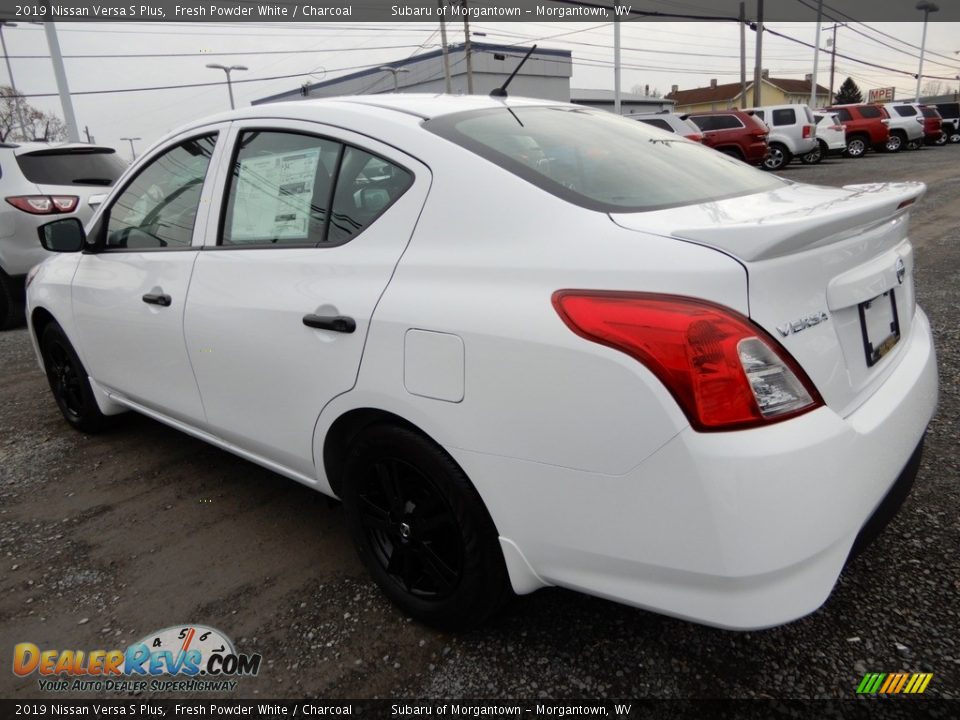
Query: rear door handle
337, 323
157, 299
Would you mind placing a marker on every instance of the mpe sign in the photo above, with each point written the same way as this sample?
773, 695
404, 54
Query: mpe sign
881, 95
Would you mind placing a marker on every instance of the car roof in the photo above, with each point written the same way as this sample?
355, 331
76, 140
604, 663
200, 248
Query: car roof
424, 106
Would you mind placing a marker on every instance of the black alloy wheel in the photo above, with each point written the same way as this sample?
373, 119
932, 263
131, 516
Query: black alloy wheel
68, 381
421, 529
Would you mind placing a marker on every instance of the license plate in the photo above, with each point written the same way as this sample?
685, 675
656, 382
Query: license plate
880, 326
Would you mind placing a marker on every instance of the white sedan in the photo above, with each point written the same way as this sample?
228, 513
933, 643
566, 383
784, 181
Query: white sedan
526, 343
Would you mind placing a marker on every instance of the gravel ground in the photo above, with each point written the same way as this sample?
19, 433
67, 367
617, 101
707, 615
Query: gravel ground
103, 539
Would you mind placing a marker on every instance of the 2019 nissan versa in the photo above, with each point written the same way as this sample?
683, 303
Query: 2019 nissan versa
526, 343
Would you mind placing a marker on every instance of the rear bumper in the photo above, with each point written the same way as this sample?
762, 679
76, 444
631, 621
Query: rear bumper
739, 530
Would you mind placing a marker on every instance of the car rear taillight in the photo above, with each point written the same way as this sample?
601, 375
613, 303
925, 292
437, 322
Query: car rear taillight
695, 137
724, 372
44, 204
807, 131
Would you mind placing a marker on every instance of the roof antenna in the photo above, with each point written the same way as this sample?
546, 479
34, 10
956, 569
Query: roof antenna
502, 90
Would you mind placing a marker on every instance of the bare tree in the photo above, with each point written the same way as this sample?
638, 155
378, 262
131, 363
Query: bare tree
933, 87
22, 122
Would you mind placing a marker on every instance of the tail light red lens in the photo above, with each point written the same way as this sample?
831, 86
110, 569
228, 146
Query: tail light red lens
807, 131
695, 137
44, 204
724, 372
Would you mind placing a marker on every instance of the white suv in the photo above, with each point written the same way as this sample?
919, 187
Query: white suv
792, 132
906, 126
40, 182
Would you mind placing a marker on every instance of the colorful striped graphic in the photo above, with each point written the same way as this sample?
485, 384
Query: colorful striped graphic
894, 683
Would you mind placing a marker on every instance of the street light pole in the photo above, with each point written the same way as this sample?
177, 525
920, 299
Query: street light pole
816, 58
395, 72
227, 69
63, 88
927, 7
132, 150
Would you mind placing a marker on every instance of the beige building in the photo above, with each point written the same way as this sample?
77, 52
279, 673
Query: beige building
773, 91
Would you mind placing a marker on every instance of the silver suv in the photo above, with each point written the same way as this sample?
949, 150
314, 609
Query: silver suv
793, 132
671, 122
39, 181
906, 126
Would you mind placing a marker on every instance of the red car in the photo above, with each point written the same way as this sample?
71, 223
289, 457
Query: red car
866, 126
932, 125
734, 132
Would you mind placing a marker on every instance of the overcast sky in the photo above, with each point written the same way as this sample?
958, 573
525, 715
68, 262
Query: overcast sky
659, 54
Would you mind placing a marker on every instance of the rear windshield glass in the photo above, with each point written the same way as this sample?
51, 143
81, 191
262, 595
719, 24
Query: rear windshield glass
100, 167
598, 160
930, 113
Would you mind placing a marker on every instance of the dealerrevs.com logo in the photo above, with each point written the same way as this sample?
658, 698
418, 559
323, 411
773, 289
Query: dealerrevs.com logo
184, 658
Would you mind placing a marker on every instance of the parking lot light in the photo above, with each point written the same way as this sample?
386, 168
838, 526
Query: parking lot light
227, 69
926, 7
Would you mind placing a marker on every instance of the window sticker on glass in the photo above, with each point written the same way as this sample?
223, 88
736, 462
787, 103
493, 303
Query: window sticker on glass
274, 196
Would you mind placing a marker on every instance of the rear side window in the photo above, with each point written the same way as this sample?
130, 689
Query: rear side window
844, 114
280, 189
658, 123
599, 160
366, 186
717, 122
784, 116
905, 110
870, 111
292, 189
75, 167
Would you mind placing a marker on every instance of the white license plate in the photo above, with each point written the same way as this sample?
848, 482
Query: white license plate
880, 326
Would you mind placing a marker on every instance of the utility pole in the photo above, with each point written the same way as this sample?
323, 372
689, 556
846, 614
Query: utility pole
18, 108
816, 58
132, 150
616, 64
833, 58
927, 8
466, 46
446, 51
743, 55
73, 134
758, 67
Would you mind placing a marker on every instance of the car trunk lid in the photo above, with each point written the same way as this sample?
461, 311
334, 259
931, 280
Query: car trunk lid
829, 273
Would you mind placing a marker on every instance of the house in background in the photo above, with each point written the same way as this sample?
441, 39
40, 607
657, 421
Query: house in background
546, 74
774, 91
630, 103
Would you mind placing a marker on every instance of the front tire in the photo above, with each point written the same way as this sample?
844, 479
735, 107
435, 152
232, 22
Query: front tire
422, 530
815, 156
894, 143
778, 157
954, 136
69, 382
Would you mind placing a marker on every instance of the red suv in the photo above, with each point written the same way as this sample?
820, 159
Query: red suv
932, 122
733, 132
866, 126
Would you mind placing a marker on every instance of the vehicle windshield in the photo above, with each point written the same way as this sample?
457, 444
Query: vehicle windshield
74, 167
600, 161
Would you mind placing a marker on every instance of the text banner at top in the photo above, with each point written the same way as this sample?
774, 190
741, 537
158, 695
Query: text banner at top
457, 10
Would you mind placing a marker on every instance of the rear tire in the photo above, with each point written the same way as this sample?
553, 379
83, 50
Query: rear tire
69, 382
954, 136
11, 302
856, 147
422, 530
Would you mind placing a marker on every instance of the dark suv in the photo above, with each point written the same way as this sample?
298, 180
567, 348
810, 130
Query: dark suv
735, 133
950, 120
866, 127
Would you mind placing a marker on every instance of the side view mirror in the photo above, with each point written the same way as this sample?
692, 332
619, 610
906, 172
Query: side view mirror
63, 236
